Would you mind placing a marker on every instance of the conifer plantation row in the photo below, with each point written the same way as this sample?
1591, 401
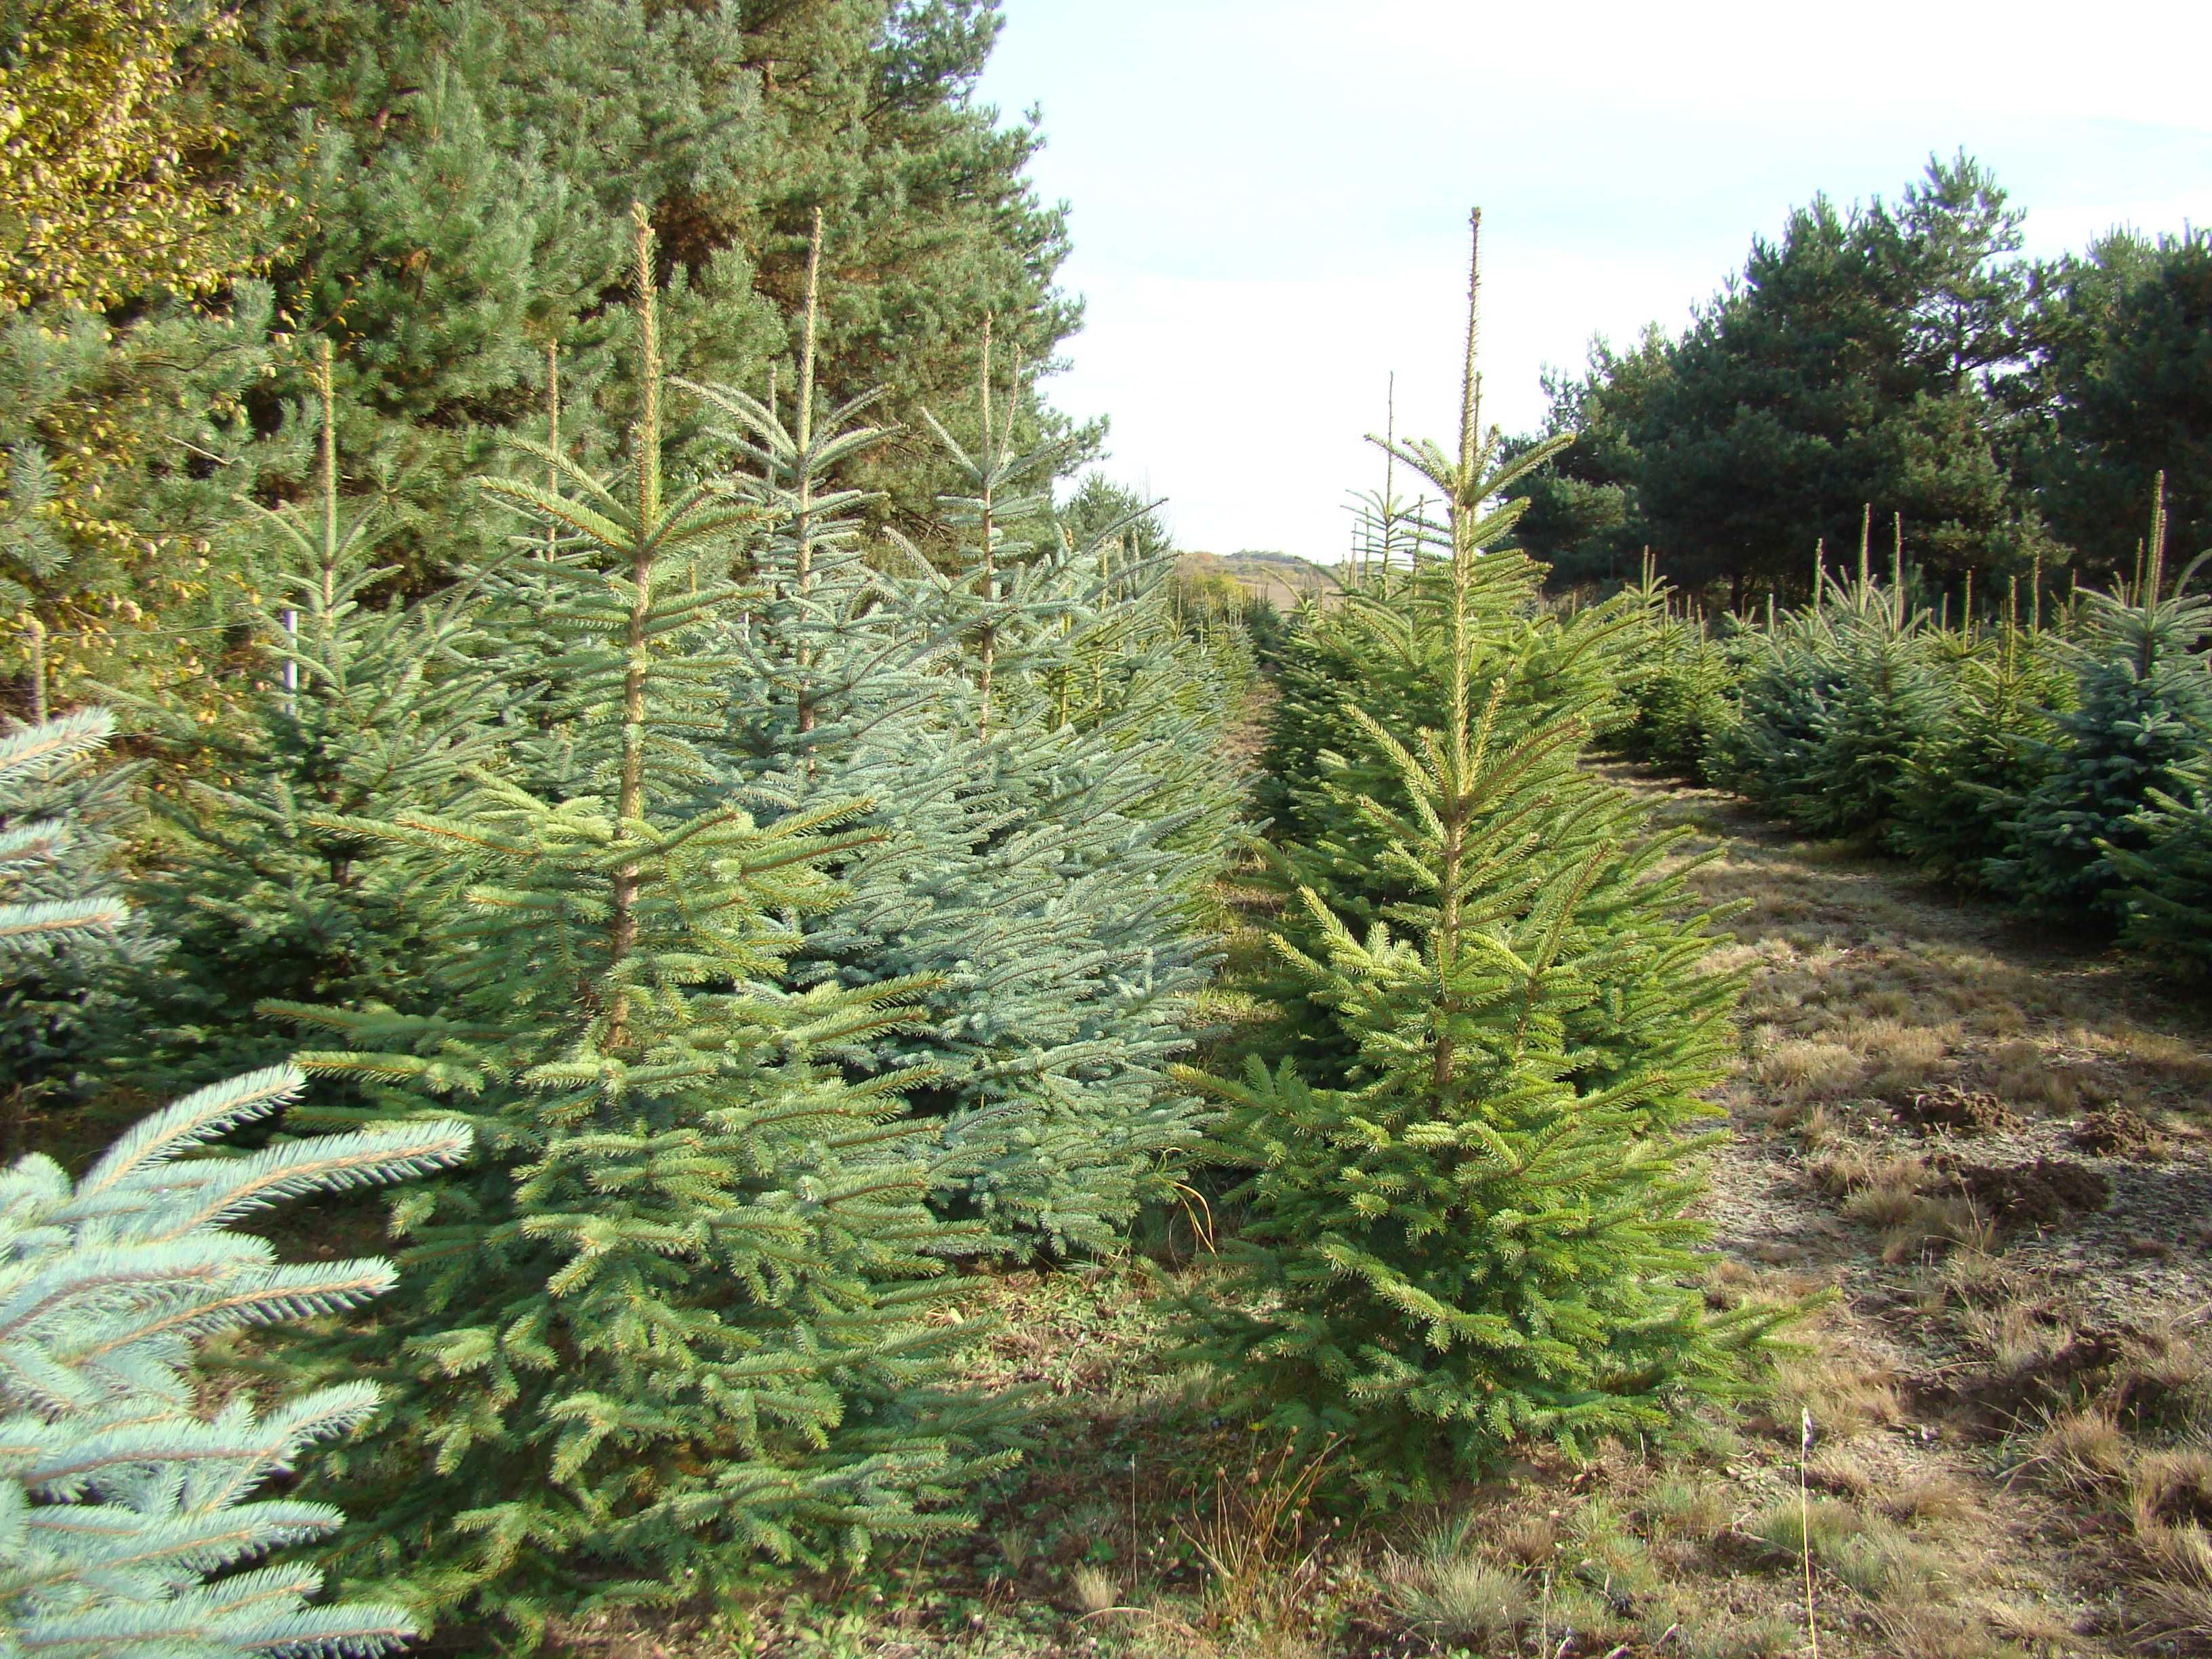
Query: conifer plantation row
745, 864
2049, 750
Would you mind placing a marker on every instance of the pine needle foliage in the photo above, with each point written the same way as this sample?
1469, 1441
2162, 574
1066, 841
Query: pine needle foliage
1386, 654
685, 1315
2167, 898
1477, 1235
71, 948
1838, 698
1990, 743
357, 711
1679, 684
45, 872
2143, 716
1042, 819
133, 1515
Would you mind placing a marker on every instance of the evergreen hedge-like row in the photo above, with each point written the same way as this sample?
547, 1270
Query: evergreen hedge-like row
2062, 768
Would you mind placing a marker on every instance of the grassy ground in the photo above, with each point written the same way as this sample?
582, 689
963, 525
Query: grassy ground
1997, 1441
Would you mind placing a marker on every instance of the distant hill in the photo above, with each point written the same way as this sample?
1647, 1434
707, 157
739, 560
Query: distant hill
1279, 578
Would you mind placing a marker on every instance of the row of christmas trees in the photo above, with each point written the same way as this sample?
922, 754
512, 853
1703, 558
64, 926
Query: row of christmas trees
726, 923
777, 920
2060, 761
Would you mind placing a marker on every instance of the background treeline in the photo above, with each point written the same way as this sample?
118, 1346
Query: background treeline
1901, 353
438, 189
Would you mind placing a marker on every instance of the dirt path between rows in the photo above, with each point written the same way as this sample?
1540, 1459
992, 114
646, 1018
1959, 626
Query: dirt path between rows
1993, 1148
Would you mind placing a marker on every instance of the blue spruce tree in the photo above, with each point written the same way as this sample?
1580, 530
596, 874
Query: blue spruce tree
1047, 809
133, 1514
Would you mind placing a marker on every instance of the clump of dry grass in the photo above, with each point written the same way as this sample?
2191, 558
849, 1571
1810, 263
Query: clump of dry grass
1919, 1631
1094, 1590
1922, 1495
1530, 1540
1875, 1557
1443, 1588
2163, 1496
1801, 1069
2175, 1591
1847, 1394
2170, 1058
1839, 1470
1901, 1055
2026, 1075
2170, 1504
1905, 1198
2081, 1450
1688, 1509
1255, 1535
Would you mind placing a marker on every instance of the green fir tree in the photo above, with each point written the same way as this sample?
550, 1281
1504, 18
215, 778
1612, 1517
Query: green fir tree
1478, 1235
677, 1318
2142, 716
2167, 898
354, 711
1988, 744
63, 827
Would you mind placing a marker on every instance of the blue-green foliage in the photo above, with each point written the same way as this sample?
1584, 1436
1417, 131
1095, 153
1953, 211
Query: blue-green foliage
2143, 716
127, 1499
1034, 738
1837, 700
1990, 742
71, 957
2167, 899
46, 866
129, 1514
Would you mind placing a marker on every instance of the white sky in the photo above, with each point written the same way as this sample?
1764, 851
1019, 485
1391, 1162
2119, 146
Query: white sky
1270, 196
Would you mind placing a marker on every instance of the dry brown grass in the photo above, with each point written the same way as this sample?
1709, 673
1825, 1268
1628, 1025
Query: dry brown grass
1867, 999
1846, 1393
1924, 1495
1901, 1053
1530, 1540
1915, 1206
2082, 1449
2029, 1076
1803, 1070
1841, 1471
